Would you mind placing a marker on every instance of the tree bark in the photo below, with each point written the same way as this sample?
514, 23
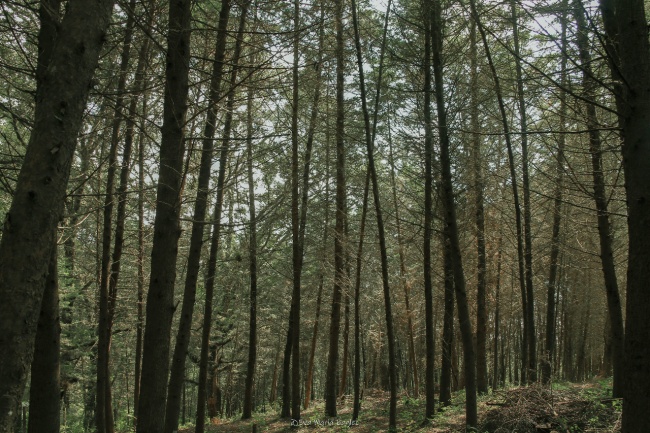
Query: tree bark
557, 210
341, 216
448, 325
469, 356
45, 389
631, 61
428, 216
295, 225
481, 308
36, 209
198, 225
531, 374
252, 334
600, 198
167, 229
369, 135
216, 230
515, 192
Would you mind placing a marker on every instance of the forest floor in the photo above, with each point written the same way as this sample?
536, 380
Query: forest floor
564, 408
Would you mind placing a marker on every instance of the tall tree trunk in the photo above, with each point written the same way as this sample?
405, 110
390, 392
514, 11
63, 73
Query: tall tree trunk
216, 230
625, 26
481, 308
515, 192
428, 217
295, 225
198, 225
600, 197
30, 225
252, 334
304, 199
341, 216
369, 135
104, 410
45, 389
557, 210
469, 356
167, 230
528, 248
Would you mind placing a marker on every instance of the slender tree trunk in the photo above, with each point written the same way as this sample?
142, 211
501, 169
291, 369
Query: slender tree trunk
295, 225
104, 411
346, 347
469, 357
497, 320
216, 230
341, 216
304, 199
252, 334
30, 225
390, 335
515, 193
428, 217
45, 389
481, 308
160, 298
557, 211
356, 408
448, 325
140, 295
198, 226
528, 248
600, 197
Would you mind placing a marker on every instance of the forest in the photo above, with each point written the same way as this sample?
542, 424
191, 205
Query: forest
224, 210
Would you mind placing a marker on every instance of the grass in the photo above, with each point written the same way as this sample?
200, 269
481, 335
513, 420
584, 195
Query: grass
564, 407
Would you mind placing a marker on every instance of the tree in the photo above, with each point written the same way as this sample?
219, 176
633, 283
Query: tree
177, 375
37, 205
160, 298
450, 219
625, 27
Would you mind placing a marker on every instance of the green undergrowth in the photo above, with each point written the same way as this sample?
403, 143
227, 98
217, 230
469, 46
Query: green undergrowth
561, 408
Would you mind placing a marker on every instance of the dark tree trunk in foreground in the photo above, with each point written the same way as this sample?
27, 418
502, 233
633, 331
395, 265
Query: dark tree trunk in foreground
341, 216
160, 298
469, 355
601, 198
30, 225
177, 375
45, 389
553, 279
